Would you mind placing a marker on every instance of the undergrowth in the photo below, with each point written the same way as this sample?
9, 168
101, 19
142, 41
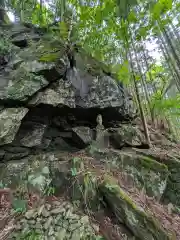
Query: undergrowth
84, 184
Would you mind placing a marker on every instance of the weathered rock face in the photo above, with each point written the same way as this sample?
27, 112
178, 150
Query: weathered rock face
144, 172
46, 102
141, 224
10, 121
172, 160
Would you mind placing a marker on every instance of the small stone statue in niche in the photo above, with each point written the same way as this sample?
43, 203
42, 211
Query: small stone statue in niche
99, 127
102, 136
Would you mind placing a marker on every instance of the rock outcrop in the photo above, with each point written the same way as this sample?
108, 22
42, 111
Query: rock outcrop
144, 172
36, 74
65, 129
141, 224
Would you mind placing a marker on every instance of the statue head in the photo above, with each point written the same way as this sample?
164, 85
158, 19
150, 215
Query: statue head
99, 119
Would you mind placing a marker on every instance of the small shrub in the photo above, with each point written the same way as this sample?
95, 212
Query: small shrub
49, 191
19, 205
30, 235
4, 46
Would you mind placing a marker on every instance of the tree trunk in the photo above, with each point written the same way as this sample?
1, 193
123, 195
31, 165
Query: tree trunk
176, 35
146, 132
142, 115
144, 84
2, 12
170, 63
148, 69
172, 48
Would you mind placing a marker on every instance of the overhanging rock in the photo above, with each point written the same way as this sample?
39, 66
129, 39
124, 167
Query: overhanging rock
37, 74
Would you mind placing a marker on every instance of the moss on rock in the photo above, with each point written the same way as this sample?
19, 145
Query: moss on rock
23, 84
10, 121
146, 172
172, 161
172, 192
126, 211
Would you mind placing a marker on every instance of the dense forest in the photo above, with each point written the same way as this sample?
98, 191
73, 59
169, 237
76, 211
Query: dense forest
89, 119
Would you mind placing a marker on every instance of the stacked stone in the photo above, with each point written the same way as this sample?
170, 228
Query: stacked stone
55, 222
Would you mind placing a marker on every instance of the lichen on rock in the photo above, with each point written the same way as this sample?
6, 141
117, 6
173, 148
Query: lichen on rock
22, 84
10, 121
128, 135
59, 94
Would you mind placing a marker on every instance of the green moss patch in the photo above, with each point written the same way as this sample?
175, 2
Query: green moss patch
146, 172
127, 212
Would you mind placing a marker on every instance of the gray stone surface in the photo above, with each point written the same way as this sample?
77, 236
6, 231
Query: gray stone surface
62, 223
104, 92
45, 60
139, 171
128, 135
21, 84
63, 101
37, 172
32, 134
10, 120
129, 212
84, 135
60, 94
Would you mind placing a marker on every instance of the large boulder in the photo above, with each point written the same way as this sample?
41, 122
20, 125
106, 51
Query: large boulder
31, 134
63, 101
145, 172
59, 94
127, 135
36, 61
171, 158
143, 225
21, 84
84, 136
34, 172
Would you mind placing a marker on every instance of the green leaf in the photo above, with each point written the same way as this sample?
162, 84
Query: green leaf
123, 72
19, 205
132, 17
49, 57
2, 185
73, 172
76, 159
161, 7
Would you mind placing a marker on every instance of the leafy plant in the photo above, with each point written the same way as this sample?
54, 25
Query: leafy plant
77, 166
90, 185
5, 46
30, 235
2, 185
49, 191
19, 205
